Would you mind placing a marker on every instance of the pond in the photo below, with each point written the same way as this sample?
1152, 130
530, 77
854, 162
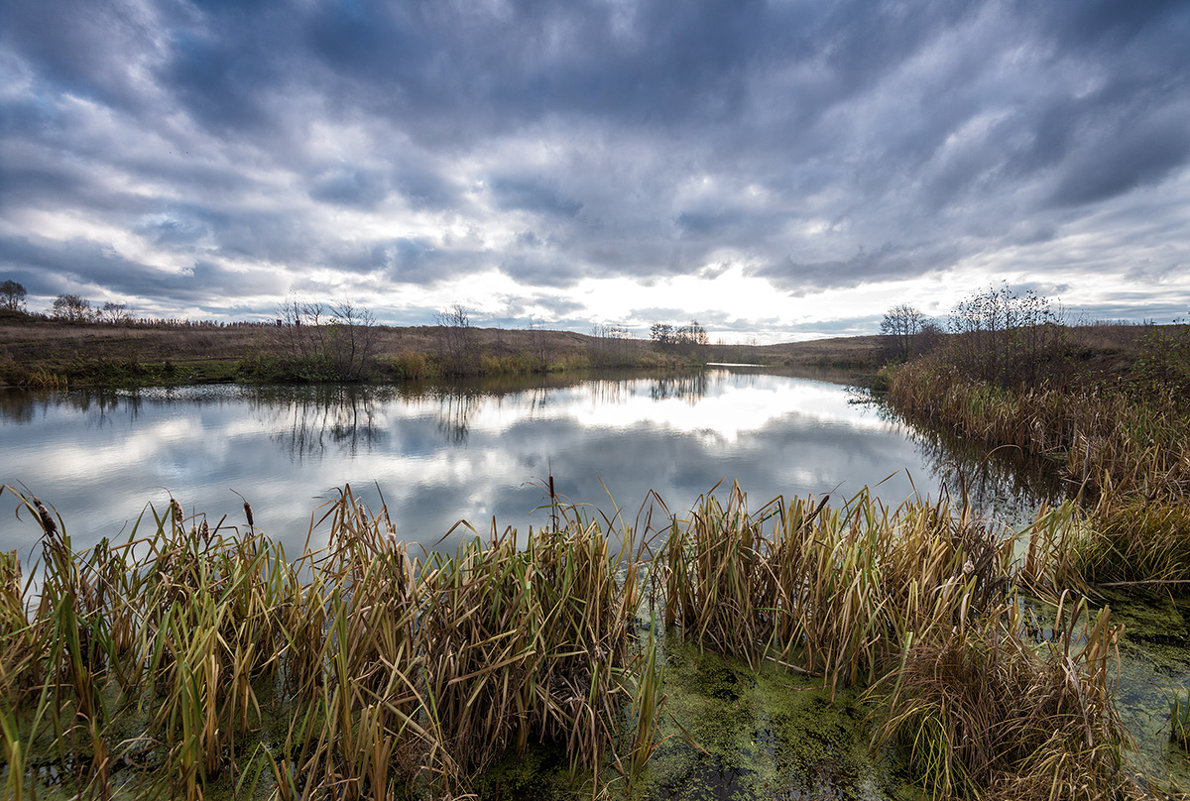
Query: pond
438, 455
484, 451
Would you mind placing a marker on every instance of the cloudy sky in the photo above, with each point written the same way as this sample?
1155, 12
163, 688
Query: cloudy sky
774, 169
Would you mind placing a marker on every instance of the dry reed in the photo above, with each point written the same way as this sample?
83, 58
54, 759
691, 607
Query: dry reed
919, 603
1126, 459
185, 659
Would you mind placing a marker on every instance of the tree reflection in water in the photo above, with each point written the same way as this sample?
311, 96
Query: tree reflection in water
455, 410
343, 416
18, 406
1005, 485
465, 449
690, 388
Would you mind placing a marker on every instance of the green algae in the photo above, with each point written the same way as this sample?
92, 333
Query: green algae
542, 773
1154, 666
732, 734
738, 733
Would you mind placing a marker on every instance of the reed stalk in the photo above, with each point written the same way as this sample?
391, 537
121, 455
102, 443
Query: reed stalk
170, 658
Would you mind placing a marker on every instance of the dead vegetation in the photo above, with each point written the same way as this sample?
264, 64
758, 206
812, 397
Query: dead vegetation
189, 658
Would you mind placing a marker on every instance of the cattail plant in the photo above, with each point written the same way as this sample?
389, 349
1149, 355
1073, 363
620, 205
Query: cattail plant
198, 659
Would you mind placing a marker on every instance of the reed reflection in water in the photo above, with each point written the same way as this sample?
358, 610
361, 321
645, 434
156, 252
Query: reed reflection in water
440, 454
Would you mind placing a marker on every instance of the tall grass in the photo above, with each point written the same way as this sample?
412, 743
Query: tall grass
1102, 440
1126, 458
187, 658
832, 591
918, 603
985, 715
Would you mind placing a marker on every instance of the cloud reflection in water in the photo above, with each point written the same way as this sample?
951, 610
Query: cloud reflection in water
440, 455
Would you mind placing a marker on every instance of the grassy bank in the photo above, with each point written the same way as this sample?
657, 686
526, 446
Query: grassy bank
186, 661
41, 353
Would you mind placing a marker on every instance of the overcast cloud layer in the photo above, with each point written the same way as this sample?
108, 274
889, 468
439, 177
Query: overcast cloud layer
773, 169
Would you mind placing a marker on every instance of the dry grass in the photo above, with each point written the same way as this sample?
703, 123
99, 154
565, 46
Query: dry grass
1127, 459
988, 716
919, 603
43, 353
186, 658
1102, 441
832, 591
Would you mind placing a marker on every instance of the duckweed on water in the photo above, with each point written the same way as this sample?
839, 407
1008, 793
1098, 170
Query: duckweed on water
764, 734
1154, 669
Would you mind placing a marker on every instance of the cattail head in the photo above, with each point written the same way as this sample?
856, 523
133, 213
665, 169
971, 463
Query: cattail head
204, 531
175, 509
48, 524
248, 514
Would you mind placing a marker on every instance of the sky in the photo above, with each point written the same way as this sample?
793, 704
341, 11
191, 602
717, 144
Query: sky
777, 170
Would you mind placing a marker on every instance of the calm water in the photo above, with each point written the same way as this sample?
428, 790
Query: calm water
473, 452
445, 454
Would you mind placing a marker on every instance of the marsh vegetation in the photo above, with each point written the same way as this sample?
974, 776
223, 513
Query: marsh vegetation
190, 657
972, 658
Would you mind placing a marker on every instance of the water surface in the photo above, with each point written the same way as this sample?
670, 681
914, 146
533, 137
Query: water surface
437, 455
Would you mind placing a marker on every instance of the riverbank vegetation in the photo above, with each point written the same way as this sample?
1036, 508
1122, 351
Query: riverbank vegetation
191, 659
1115, 425
314, 343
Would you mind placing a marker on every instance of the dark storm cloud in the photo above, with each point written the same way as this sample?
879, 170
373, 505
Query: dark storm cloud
75, 267
514, 193
73, 46
821, 144
1117, 161
349, 187
418, 261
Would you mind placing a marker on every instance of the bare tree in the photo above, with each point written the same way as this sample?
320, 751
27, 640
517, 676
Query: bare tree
539, 344
900, 326
302, 330
460, 346
12, 295
610, 343
692, 334
1006, 337
114, 313
72, 308
351, 340
321, 343
685, 338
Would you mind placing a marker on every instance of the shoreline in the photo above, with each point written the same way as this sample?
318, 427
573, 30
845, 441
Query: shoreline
38, 353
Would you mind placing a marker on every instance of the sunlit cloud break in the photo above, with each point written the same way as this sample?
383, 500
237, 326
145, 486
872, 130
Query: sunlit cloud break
773, 169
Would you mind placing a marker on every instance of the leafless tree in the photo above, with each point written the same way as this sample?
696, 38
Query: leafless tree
72, 308
351, 340
609, 346
539, 344
1007, 337
115, 313
460, 345
12, 295
900, 327
336, 342
684, 338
